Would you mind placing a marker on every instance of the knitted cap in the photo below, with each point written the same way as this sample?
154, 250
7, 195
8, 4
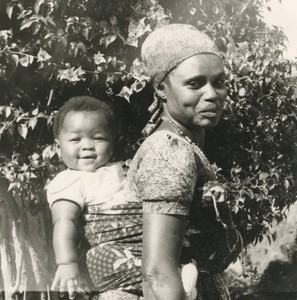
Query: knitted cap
168, 46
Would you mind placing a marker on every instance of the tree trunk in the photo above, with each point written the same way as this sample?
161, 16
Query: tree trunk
24, 249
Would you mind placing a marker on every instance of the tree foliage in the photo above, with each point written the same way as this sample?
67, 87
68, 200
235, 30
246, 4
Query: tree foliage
51, 50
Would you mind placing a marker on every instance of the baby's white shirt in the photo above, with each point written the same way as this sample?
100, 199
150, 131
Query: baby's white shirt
104, 186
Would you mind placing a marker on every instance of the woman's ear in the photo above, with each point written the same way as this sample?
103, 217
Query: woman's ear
160, 91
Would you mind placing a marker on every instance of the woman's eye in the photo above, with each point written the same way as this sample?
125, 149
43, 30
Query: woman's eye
220, 82
196, 84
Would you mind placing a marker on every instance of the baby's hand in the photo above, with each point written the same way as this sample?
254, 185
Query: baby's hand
68, 279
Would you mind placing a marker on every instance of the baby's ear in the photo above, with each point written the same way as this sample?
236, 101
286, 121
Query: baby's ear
57, 148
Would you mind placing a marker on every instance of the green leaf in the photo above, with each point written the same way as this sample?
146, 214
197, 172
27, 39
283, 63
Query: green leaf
26, 60
7, 111
48, 152
15, 58
286, 184
23, 130
37, 5
265, 190
48, 35
125, 93
9, 10
44, 20
11, 186
71, 74
109, 39
51, 21
42, 55
263, 175
99, 58
35, 111
37, 27
20, 6
32, 122
241, 92
2, 128
26, 24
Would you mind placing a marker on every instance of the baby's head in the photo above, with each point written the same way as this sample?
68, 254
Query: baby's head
85, 130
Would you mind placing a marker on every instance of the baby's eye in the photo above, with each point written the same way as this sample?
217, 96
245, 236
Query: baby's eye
99, 138
75, 139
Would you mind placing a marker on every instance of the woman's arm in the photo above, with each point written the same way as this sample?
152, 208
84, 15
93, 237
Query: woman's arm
162, 242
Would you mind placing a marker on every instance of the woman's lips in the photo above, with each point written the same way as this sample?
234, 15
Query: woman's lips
209, 112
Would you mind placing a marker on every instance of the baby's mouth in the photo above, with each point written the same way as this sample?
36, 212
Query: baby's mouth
88, 157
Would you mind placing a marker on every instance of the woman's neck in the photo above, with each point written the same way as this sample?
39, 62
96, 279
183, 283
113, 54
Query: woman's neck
196, 135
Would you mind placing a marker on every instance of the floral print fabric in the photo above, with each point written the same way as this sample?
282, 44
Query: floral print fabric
166, 176
113, 255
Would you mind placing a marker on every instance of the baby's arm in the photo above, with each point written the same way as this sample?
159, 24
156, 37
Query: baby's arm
65, 216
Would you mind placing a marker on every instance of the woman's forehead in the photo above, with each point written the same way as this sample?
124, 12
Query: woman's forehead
208, 65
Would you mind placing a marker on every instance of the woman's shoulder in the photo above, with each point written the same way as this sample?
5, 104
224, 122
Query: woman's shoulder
166, 142
165, 149
169, 150
165, 135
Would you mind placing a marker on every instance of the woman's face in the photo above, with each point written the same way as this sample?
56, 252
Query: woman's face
195, 91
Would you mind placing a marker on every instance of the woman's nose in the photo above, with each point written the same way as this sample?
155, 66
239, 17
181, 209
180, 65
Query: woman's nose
210, 93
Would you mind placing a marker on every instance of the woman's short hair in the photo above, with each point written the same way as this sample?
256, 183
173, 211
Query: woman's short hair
85, 103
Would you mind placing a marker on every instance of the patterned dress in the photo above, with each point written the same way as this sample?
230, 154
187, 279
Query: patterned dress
166, 176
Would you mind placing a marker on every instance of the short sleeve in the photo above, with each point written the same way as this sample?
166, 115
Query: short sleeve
67, 185
166, 175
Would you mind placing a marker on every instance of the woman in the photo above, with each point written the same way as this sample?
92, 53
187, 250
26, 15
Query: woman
174, 213
181, 223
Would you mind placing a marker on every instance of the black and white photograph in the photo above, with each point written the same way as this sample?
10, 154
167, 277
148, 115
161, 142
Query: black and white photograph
148, 150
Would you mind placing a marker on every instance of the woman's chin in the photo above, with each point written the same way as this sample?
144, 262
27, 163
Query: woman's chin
207, 123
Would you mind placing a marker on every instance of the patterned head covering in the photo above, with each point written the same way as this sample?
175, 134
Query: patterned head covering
168, 46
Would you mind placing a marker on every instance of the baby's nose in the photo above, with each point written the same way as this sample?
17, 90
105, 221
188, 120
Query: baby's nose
88, 145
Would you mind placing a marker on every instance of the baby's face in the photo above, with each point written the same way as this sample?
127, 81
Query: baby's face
85, 141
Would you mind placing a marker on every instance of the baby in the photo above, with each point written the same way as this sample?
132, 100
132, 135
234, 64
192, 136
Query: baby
85, 131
